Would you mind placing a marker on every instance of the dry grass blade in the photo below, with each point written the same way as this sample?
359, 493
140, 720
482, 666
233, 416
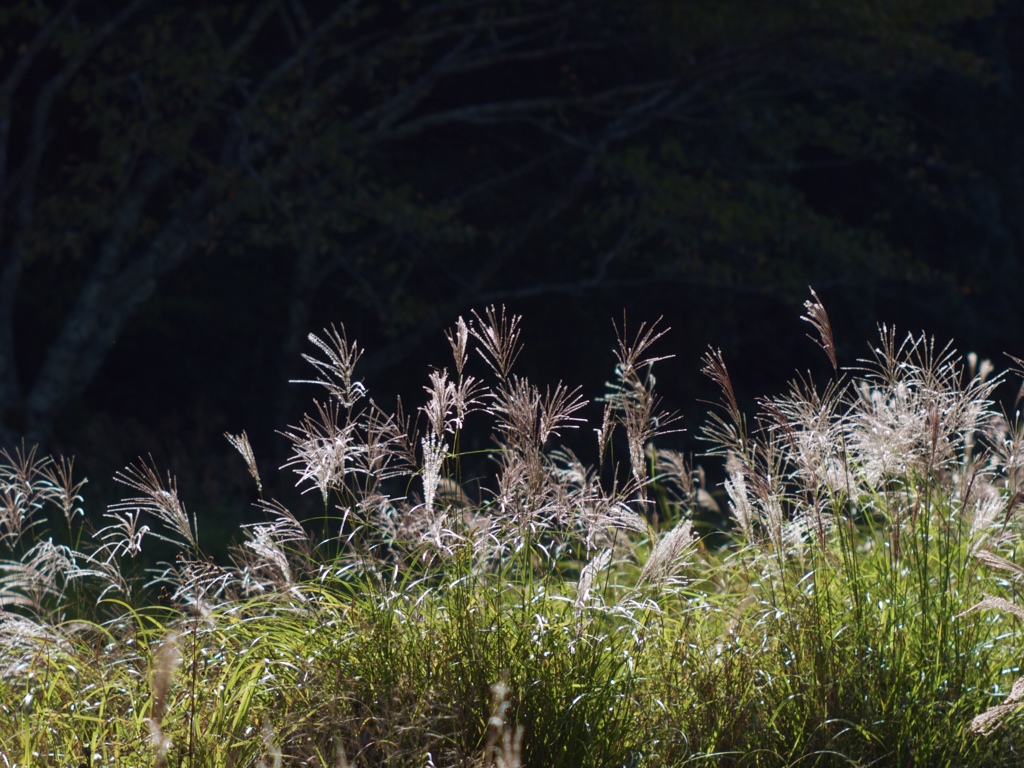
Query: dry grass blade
818, 317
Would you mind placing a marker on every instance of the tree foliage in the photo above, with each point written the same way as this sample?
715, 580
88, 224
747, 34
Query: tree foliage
420, 158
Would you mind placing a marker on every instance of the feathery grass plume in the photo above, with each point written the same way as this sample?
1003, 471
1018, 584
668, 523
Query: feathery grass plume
271, 746
670, 554
726, 436
18, 581
158, 499
634, 404
556, 411
441, 401
336, 371
604, 433
240, 442
384, 454
993, 560
810, 428
324, 449
818, 317
989, 720
199, 585
911, 409
341, 759
468, 391
458, 338
43, 572
450, 402
266, 555
673, 471
522, 485
516, 414
402, 440
739, 498
165, 663
1006, 445
434, 452
520, 492
124, 536
498, 335
765, 480
504, 746
64, 490
586, 581
27, 484
984, 505
581, 505
354, 452
603, 520
26, 644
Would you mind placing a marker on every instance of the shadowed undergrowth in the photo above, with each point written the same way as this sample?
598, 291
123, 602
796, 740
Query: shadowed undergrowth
861, 613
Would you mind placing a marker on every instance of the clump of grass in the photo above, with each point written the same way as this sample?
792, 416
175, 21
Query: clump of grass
553, 613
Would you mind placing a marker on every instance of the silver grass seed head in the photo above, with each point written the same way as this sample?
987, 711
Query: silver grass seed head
670, 554
498, 335
240, 442
337, 368
458, 338
586, 580
818, 318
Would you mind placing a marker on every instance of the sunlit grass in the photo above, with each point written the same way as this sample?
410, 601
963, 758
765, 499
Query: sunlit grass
545, 620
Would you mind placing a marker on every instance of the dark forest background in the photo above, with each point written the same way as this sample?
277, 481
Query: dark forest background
188, 189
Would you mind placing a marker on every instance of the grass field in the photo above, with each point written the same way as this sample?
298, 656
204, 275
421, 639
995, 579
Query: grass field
861, 609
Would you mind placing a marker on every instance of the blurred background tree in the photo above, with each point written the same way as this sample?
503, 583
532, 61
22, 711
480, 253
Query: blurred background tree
188, 189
